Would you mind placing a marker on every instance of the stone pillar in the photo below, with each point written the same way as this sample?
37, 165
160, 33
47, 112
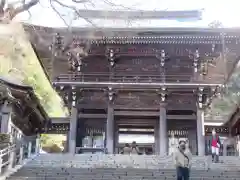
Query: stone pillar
200, 132
6, 118
156, 138
37, 148
12, 159
21, 154
73, 131
110, 129
29, 149
162, 131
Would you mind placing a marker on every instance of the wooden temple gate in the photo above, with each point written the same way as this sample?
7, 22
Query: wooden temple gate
168, 77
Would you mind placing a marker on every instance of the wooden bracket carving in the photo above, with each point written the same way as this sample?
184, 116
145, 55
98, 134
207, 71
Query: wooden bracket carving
75, 57
200, 98
57, 45
195, 60
162, 94
111, 56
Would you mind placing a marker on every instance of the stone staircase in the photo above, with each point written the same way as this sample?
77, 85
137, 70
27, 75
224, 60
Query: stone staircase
121, 167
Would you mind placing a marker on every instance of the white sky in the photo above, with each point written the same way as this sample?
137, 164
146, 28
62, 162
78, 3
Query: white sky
129, 138
225, 11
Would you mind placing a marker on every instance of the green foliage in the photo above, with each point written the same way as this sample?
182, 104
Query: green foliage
4, 138
52, 142
54, 148
224, 106
19, 63
44, 139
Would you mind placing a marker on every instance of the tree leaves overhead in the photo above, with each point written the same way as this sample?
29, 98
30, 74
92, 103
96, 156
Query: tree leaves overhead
19, 63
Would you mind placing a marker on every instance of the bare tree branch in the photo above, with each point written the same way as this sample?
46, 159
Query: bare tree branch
118, 5
215, 24
2, 5
84, 2
10, 12
58, 13
75, 10
80, 1
25, 7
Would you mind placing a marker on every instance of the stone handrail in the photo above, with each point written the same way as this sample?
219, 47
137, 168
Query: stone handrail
14, 155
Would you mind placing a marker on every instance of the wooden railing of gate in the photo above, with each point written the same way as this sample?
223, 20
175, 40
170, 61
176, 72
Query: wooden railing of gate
104, 77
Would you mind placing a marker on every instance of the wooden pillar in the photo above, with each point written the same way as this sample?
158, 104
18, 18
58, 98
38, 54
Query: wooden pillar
66, 146
110, 129
156, 138
162, 130
73, 130
116, 139
192, 138
200, 132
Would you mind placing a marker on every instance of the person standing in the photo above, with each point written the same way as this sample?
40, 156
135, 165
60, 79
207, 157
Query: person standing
173, 144
238, 145
127, 149
215, 146
135, 149
182, 161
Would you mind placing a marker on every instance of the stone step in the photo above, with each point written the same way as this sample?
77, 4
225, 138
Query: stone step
116, 178
117, 170
123, 167
120, 176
